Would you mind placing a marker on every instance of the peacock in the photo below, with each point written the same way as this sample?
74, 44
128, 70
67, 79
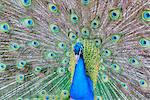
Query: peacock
74, 49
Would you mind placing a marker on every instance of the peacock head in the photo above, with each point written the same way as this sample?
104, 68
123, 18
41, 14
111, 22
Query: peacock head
78, 48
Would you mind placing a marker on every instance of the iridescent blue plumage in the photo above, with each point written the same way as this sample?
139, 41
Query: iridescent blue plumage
82, 85
79, 49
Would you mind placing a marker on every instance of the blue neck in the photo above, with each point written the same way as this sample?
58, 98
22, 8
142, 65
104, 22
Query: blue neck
81, 84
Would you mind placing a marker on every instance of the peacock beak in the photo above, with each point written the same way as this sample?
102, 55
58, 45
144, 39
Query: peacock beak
77, 56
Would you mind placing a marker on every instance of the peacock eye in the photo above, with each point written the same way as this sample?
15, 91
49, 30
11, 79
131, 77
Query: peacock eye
133, 61
28, 22
115, 14
143, 83
20, 98
64, 94
95, 23
102, 67
61, 70
68, 54
35, 43
53, 8
106, 53
123, 85
65, 61
37, 70
20, 78
72, 36
47, 97
115, 67
85, 32
146, 15
2, 67
4, 27
144, 42
43, 92
62, 45
26, 3
85, 2
14, 46
51, 55
97, 42
54, 28
53, 97
21, 64
105, 78
115, 38
74, 19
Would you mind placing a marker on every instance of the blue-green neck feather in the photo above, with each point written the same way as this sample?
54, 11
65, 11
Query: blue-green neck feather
82, 86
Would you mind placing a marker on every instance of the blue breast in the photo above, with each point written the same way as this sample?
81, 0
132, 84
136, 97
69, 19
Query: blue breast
82, 86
